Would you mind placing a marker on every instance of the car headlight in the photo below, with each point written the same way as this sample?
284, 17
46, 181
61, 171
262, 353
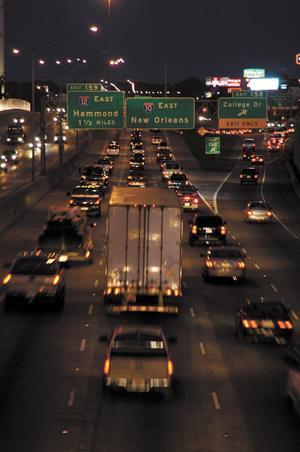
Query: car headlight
13, 157
3, 165
20, 139
64, 138
8, 139
63, 258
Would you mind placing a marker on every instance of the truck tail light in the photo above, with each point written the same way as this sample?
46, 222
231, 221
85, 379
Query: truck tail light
285, 325
106, 367
241, 265
194, 229
7, 278
55, 280
249, 323
170, 368
209, 263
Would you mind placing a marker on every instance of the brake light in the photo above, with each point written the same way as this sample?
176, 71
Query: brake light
194, 229
196, 200
106, 367
241, 264
209, 263
223, 230
7, 278
55, 280
249, 212
249, 323
170, 368
255, 175
241, 176
269, 213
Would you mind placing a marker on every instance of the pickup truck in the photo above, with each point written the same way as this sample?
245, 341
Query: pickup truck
137, 360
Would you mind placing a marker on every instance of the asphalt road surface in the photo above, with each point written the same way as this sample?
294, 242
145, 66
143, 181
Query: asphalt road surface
229, 397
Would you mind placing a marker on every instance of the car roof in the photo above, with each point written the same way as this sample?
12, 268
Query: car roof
135, 329
270, 307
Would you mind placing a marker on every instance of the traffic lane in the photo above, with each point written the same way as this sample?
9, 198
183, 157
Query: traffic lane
274, 248
223, 299
256, 372
39, 366
158, 424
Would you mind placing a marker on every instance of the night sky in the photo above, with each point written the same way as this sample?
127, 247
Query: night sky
197, 38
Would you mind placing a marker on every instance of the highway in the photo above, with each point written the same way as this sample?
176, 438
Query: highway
21, 173
228, 397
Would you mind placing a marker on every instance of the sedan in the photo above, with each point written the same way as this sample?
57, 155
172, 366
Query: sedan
11, 156
257, 160
189, 197
248, 176
34, 278
266, 321
137, 360
177, 181
136, 179
258, 212
224, 262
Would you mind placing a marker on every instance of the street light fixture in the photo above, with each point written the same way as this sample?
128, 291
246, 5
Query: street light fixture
16, 51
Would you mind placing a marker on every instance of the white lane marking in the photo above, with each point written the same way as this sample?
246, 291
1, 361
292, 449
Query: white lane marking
285, 226
216, 401
274, 287
257, 266
72, 397
91, 308
82, 345
294, 315
96, 282
184, 285
193, 315
244, 251
202, 348
234, 237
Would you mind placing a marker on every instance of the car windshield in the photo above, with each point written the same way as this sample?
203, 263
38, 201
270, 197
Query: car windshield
93, 171
267, 309
85, 191
223, 253
259, 205
188, 190
34, 265
178, 177
209, 221
138, 343
250, 171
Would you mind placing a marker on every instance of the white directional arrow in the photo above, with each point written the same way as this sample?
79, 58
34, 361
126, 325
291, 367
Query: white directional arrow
243, 113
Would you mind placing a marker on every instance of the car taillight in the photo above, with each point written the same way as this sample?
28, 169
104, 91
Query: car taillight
249, 323
7, 278
241, 176
285, 325
249, 212
255, 175
241, 265
194, 229
196, 200
269, 213
55, 280
106, 367
170, 368
223, 230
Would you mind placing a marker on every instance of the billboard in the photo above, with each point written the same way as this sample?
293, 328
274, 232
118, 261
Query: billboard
254, 73
223, 81
264, 84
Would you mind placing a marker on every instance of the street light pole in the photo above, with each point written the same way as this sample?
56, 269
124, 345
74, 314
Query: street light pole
2, 48
32, 81
166, 76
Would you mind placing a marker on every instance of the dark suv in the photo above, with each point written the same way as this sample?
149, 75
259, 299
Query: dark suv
248, 176
207, 230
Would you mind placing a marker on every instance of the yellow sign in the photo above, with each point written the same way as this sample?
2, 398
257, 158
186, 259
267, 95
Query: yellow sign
202, 131
235, 123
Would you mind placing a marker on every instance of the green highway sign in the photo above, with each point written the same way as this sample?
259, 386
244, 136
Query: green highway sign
254, 73
280, 99
160, 112
249, 93
247, 112
88, 107
212, 145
